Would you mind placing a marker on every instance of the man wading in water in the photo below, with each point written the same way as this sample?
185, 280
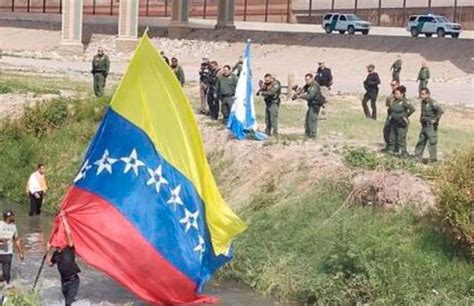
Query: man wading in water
65, 258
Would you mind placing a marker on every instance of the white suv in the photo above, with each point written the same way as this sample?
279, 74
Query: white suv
345, 22
432, 24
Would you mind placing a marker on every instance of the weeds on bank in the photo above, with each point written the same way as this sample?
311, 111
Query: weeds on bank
17, 296
365, 159
55, 133
455, 190
18, 86
297, 250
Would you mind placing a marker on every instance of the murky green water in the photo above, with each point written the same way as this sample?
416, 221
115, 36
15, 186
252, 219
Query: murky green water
96, 288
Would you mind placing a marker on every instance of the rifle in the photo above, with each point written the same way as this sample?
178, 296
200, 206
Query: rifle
298, 91
263, 87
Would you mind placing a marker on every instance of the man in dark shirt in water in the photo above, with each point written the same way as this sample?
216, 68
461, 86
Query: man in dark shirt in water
65, 258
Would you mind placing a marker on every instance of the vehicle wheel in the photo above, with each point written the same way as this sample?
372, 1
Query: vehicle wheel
328, 29
440, 32
428, 34
342, 31
365, 32
414, 32
455, 35
351, 30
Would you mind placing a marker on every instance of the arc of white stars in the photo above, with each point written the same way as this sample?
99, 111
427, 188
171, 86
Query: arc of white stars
175, 198
105, 163
200, 247
156, 178
190, 220
82, 173
132, 162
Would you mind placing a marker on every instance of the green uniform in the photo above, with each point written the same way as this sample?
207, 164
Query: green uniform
431, 112
100, 70
396, 68
423, 77
399, 111
272, 104
386, 126
225, 88
179, 73
314, 98
237, 69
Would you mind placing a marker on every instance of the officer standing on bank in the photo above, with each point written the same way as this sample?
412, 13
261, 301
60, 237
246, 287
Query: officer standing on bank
371, 85
226, 86
312, 94
212, 100
431, 113
100, 71
270, 89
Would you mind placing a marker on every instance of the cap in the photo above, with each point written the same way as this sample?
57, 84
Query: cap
370, 66
8, 213
321, 62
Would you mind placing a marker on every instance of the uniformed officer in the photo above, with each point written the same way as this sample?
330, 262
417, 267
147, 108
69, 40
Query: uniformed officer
371, 85
386, 128
100, 71
178, 70
270, 89
399, 111
423, 76
431, 112
324, 75
396, 68
312, 94
212, 100
225, 87
204, 75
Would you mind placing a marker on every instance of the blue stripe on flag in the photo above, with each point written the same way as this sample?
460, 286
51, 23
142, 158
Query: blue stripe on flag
137, 197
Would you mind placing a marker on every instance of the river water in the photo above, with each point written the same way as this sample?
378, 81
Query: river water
96, 288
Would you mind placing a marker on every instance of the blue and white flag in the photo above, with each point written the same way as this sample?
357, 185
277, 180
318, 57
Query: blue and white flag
242, 120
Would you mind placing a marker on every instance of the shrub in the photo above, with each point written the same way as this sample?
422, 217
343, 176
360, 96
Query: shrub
4, 88
361, 158
45, 117
455, 182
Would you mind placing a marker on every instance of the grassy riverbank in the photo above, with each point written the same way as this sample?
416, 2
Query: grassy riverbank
296, 248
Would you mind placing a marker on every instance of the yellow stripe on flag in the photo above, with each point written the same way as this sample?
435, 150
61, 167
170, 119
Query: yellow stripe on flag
151, 97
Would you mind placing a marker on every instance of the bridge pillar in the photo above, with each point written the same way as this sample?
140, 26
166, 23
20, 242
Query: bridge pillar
71, 28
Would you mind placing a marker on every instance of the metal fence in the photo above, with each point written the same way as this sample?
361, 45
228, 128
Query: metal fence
379, 12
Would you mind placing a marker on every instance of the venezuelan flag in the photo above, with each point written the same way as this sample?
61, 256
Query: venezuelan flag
145, 208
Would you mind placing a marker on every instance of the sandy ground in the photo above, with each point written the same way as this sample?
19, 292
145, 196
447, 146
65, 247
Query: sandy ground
452, 68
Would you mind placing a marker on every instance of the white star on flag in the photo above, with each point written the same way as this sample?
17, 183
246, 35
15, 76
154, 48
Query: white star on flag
156, 178
190, 219
82, 173
175, 198
105, 163
132, 162
200, 247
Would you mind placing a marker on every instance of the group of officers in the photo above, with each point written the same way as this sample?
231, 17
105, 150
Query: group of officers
217, 90
218, 85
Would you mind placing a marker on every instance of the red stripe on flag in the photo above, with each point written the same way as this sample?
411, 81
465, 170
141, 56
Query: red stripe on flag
104, 239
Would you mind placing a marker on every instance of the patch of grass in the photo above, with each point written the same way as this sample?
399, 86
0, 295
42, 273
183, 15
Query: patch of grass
55, 133
295, 253
455, 182
16, 296
363, 158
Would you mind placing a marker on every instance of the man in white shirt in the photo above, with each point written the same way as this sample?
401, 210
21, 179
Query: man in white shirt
36, 189
8, 236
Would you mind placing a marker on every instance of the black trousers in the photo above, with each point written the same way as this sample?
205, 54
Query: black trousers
213, 103
6, 261
372, 96
35, 204
70, 289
